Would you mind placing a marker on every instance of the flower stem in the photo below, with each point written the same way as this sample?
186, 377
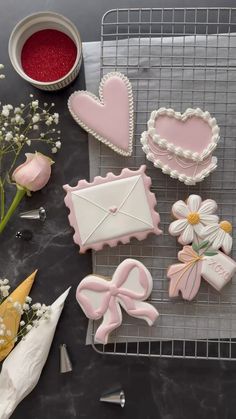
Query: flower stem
18, 197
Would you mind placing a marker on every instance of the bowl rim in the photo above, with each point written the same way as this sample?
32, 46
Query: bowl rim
48, 14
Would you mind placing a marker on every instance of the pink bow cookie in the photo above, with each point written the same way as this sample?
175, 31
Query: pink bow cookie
130, 285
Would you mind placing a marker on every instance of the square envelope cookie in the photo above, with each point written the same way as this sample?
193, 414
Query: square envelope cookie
112, 209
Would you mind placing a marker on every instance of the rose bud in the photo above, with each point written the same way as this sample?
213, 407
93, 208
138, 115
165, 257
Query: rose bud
34, 173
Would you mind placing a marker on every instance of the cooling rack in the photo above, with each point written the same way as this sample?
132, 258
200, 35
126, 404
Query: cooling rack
180, 58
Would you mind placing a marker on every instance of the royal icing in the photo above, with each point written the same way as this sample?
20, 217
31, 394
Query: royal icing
112, 209
185, 170
193, 134
108, 118
199, 261
192, 216
130, 285
218, 235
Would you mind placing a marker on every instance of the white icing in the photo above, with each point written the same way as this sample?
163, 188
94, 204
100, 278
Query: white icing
22, 368
217, 237
181, 227
177, 115
218, 270
176, 174
94, 209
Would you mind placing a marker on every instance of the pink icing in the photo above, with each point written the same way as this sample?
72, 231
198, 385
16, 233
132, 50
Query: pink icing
110, 177
185, 277
193, 134
116, 293
111, 117
182, 165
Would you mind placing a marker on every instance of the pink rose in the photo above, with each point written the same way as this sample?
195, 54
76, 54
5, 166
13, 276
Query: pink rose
34, 174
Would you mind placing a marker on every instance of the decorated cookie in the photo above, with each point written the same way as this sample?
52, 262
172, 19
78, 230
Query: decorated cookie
218, 235
192, 216
130, 285
181, 145
108, 118
112, 209
199, 261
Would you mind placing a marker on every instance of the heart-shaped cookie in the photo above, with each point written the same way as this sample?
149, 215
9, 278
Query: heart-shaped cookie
186, 170
193, 134
108, 118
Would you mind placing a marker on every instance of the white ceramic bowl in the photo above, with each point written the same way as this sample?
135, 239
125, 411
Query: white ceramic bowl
37, 22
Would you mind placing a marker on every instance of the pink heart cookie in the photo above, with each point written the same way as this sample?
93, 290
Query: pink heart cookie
192, 135
108, 118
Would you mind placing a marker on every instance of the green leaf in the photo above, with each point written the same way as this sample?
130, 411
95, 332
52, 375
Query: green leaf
195, 247
210, 253
203, 245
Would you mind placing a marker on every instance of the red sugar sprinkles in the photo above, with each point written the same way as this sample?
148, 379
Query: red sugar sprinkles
48, 55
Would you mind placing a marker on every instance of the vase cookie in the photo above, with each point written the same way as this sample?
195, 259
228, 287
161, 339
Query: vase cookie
199, 261
181, 145
109, 118
112, 209
130, 285
191, 216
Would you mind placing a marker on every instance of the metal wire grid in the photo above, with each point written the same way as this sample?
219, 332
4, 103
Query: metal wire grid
190, 65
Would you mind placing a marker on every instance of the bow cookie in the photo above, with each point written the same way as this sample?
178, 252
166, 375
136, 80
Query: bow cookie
130, 285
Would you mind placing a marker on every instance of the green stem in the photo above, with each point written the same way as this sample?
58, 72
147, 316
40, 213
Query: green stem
2, 200
18, 197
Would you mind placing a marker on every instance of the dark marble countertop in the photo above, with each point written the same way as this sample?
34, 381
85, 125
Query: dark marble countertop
155, 388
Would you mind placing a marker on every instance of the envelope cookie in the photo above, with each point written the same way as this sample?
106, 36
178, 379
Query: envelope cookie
130, 285
112, 209
181, 145
109, 118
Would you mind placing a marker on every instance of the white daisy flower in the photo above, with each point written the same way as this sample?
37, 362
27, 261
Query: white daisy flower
219, 236
192, 216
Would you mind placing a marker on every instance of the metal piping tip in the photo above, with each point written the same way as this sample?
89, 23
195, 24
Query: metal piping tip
117, 397
36, 214
65, 362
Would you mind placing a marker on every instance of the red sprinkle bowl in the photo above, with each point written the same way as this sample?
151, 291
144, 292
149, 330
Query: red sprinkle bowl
58, 39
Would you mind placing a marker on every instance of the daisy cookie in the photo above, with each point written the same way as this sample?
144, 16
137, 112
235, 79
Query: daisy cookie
218, 234
191, 217
109, 117
112, 209
129, 286
181, 145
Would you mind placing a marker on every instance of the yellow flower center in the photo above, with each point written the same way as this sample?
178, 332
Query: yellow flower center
226, 226
193, 218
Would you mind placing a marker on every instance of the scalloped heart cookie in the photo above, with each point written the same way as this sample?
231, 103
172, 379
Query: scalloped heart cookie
108, 118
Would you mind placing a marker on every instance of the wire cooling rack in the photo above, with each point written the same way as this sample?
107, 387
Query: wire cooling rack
178, 58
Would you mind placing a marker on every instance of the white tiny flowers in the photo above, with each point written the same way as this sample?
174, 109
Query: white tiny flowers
36, 118
4, 288
58, 144
54, 150
34, 103
2, 76
29, 327
191, 218
8, 136
218, 235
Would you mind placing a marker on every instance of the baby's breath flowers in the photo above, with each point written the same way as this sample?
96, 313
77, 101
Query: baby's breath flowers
30, 315
2, 76
22, 127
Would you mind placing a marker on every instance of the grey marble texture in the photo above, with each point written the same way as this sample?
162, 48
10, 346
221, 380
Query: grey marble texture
155, 388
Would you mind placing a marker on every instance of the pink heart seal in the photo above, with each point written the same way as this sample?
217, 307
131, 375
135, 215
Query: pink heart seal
108, 118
